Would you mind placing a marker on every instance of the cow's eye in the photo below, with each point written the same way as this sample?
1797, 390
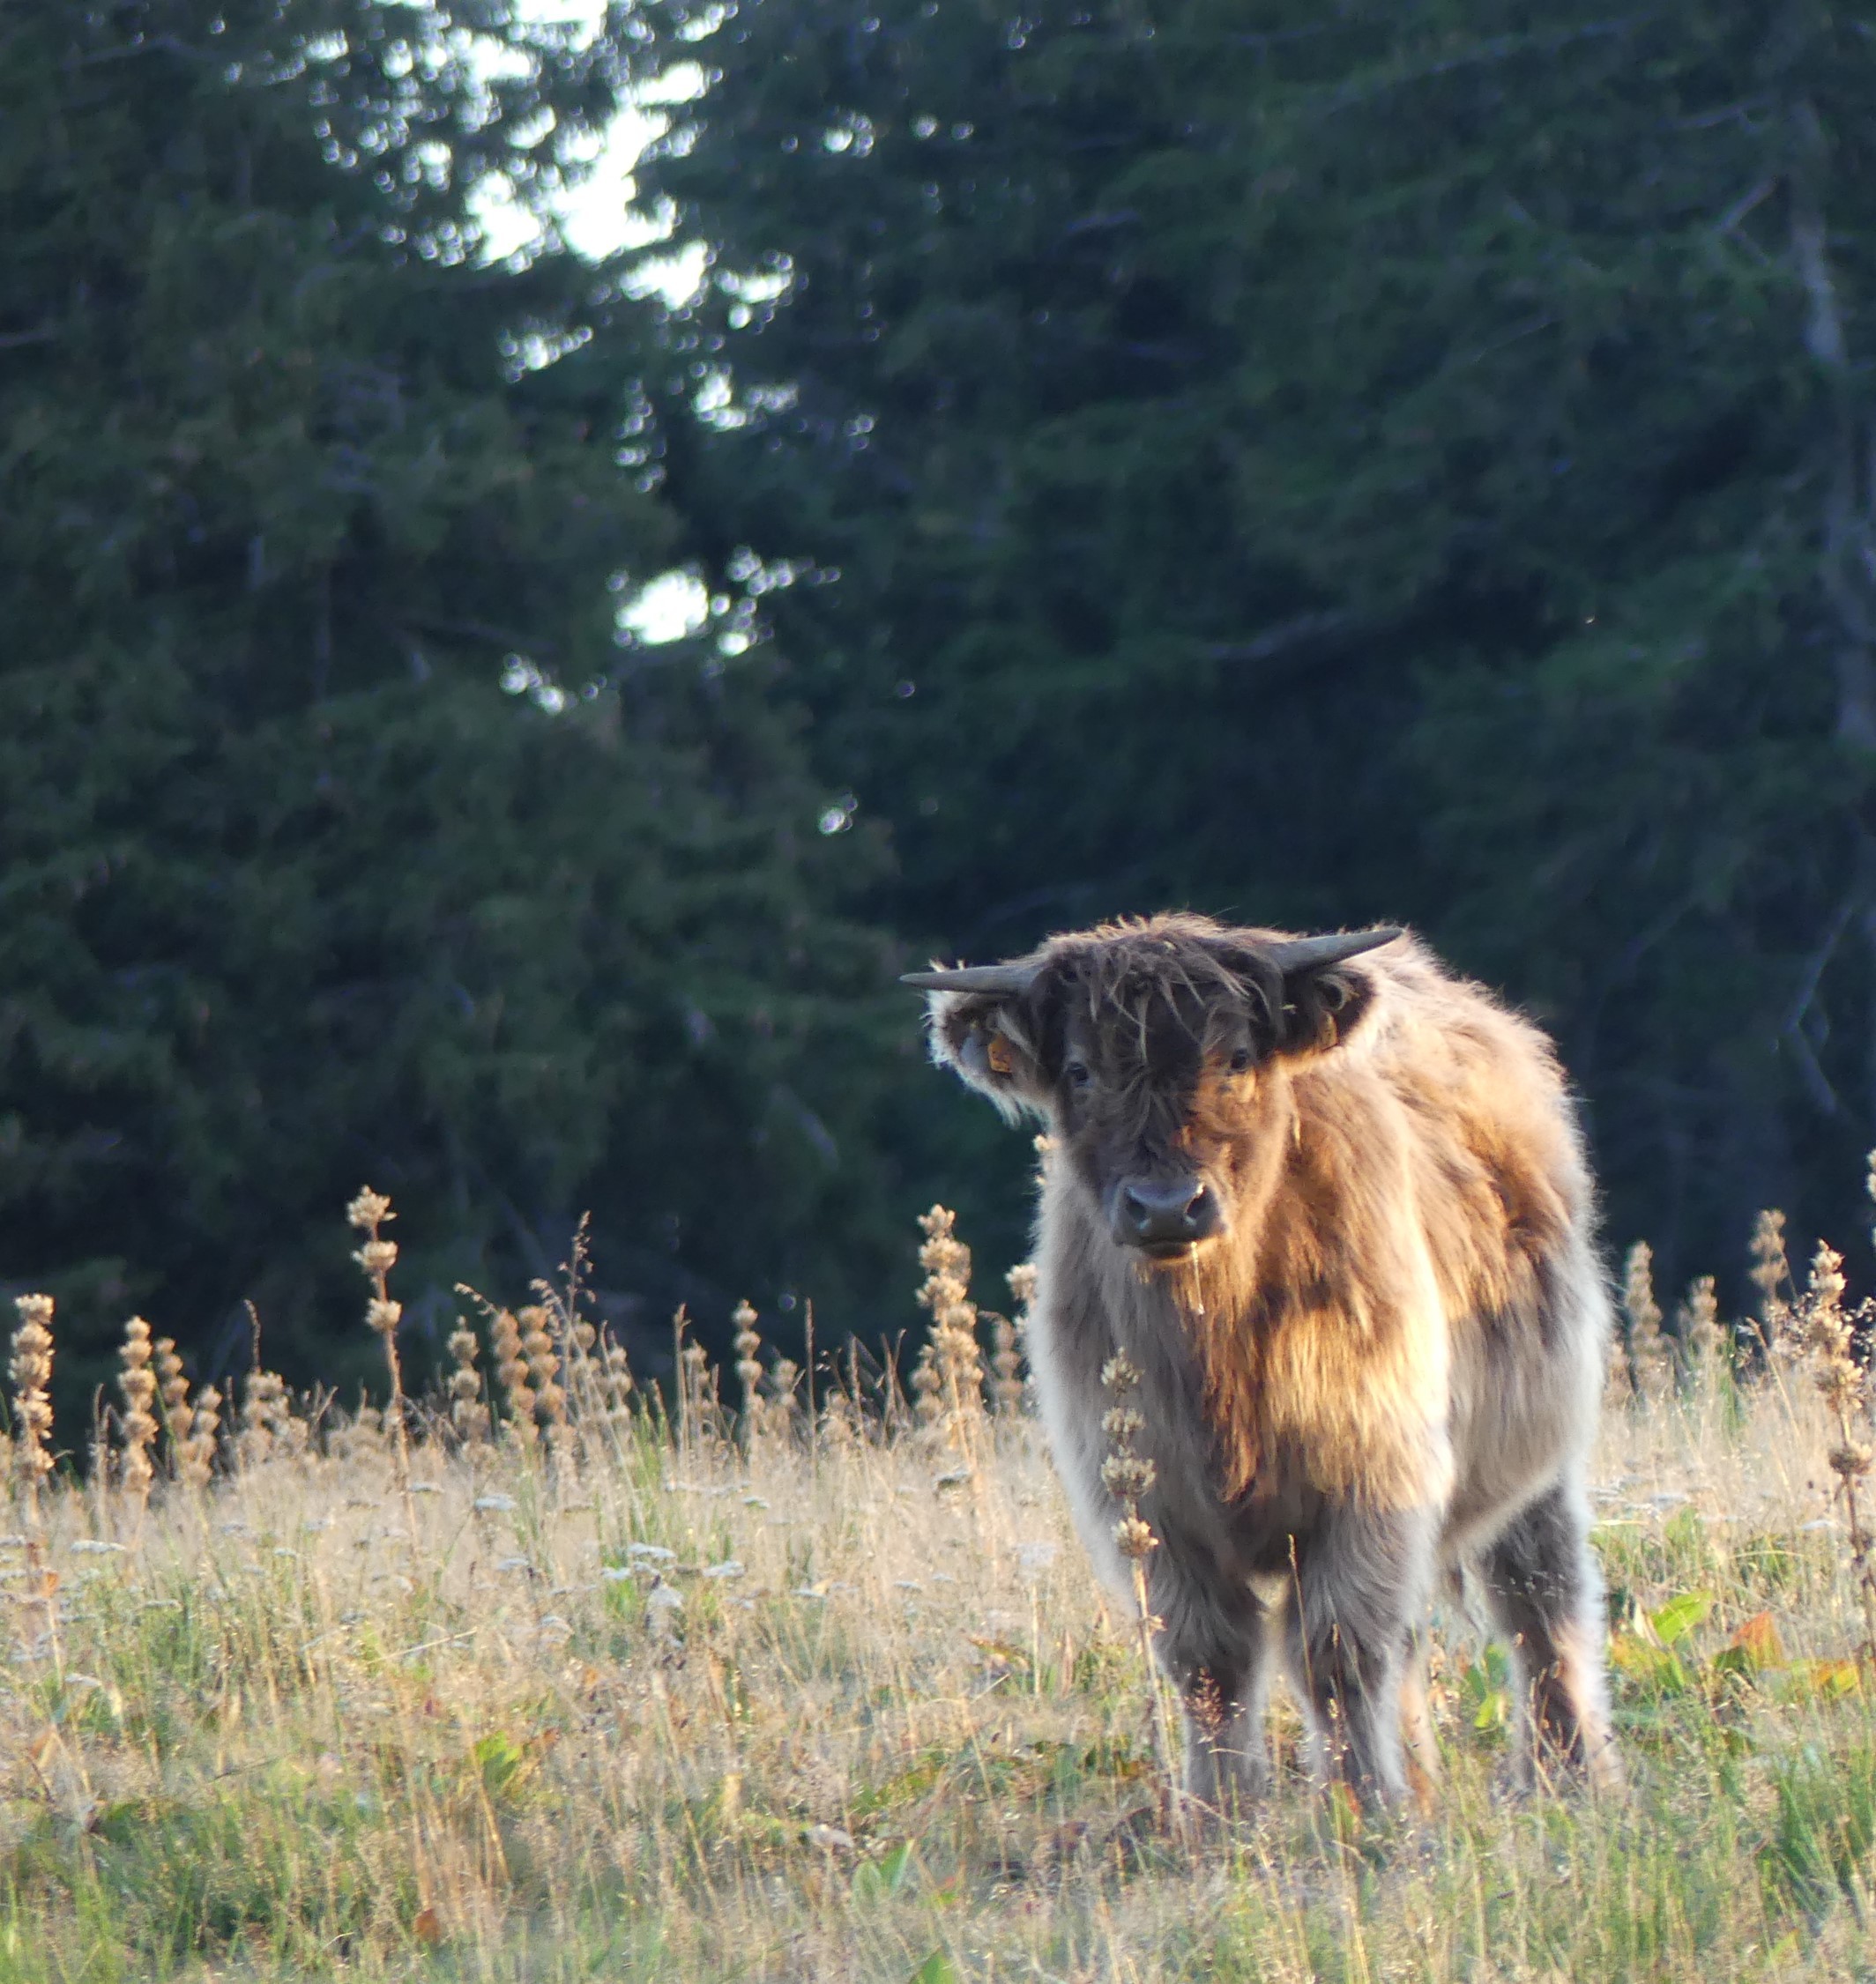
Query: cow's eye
1240, 1061
1076, 1075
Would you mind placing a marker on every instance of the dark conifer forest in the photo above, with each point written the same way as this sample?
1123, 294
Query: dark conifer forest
1313, 464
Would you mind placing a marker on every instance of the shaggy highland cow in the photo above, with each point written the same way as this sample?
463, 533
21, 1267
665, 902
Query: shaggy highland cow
1332, 1202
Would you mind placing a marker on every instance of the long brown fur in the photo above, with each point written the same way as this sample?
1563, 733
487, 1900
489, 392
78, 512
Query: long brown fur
1384, 1369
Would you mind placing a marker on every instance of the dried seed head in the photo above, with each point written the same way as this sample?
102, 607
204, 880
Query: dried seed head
840, 1430
1122, 1424
1128, 1477
617, 1380
782, 1383
1119, 1374
1853, 1460
943, 1253
369, 1209
377, 1257
1134, 1537
384, 1315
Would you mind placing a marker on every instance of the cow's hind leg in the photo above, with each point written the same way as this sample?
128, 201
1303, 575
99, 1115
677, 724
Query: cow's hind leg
1547, 1597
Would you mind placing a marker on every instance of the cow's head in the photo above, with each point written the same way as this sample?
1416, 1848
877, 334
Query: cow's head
1155, 1052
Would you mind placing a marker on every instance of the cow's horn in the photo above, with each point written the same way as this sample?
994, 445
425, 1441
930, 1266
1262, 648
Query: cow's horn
1006, 978
1310, 954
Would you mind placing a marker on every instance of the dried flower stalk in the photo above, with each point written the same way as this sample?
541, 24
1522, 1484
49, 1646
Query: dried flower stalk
1008, 1337
1649, 1358
369, 1213
840, 1424
511, 1367
543, 1362
468, 1415
574, 1337
172, 1390
615, 1385
928, 1388
195, 1453
1830, 1333
779, 1404
1698, 1328
747, 1343
1126, 1475
955, 1359
267, 1427
137, 1383
699, 1419
31, 1372
1771, 1276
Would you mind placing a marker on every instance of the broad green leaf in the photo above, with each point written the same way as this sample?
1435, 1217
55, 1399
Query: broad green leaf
1654, 1667
1680, 1616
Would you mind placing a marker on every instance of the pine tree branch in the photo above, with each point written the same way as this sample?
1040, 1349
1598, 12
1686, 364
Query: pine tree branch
1501, 48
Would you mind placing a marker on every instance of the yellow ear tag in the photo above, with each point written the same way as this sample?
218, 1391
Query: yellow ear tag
997, 1053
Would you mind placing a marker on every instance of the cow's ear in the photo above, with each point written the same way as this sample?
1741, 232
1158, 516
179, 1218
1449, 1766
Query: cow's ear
1325, 1006
993, 1043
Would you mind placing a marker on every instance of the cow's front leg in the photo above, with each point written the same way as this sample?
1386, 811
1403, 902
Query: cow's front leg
1218, 1649
1227, 1766
1362, 1582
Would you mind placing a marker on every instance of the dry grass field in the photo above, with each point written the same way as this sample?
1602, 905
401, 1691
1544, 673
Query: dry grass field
610, 1692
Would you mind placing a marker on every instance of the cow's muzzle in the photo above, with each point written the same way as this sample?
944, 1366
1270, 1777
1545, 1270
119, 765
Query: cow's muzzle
1166, 1217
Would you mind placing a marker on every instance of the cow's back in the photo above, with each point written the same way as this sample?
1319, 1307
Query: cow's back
1503, 1201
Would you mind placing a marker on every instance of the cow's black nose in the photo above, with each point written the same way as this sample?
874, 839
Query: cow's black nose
1158, 1214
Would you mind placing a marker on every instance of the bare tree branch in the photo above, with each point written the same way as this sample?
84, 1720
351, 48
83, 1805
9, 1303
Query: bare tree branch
1287, 634
1812, 1075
